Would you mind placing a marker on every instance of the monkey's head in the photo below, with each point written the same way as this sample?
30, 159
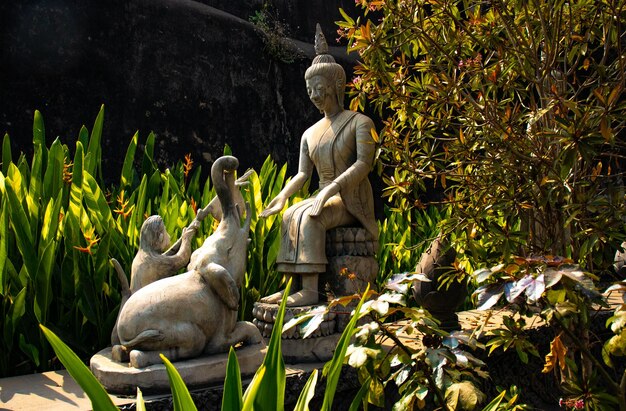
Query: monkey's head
153, 235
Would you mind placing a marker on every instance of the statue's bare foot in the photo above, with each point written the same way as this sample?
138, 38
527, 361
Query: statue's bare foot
119, 354
273, 298
303, 297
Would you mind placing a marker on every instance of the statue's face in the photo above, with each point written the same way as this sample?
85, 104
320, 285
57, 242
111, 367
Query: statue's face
321, 92
165, 238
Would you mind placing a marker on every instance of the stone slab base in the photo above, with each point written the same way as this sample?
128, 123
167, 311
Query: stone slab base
310, 350
120, 378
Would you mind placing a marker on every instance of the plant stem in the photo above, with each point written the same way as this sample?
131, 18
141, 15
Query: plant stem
619, 390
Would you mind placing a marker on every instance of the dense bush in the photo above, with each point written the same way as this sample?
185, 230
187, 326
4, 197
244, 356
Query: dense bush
514, 108
516, 111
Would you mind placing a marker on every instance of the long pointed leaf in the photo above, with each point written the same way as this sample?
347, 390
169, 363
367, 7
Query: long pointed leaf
126, 179
83, 136
53, 176
4, 247
140, 404
232, 396
39, 131
33, 196
16, 312
23, 234
100, 400
76, 190
50, 224
94, 150
307, 393
147, 164
252, 391
6, 153
137, 217
271, 395
332, 369
43, 285
96, 202
180, 394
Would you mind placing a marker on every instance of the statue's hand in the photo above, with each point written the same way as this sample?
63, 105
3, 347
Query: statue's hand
274, 207
189, 232
194, 226
243, 180
203, 212
321, 198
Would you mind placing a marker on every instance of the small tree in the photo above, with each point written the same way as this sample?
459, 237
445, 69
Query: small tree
514, 108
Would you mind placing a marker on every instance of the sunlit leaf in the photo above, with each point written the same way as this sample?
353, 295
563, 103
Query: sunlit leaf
232, 396
556, 356
307, 393
332, 369
535, 289
520, 286
463, 396
140, 404
489, 295
180, 394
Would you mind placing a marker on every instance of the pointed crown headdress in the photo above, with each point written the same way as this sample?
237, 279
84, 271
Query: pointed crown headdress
324, 64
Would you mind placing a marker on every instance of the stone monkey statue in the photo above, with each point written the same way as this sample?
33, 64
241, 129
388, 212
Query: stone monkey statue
153, 261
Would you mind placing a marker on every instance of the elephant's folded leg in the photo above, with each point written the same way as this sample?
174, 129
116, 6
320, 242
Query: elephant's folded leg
184, 340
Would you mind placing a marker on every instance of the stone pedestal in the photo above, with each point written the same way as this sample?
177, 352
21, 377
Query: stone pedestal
351, 266
318, 347
351, 262
265, 315
208, 370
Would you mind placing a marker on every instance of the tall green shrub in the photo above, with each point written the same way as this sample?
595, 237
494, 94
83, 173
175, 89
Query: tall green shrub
515, 108
56, 233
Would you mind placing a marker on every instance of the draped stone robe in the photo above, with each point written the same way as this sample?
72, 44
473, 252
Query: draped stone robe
342, 151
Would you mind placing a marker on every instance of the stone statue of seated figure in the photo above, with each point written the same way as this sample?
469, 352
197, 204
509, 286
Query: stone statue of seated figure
195, 312
341, 148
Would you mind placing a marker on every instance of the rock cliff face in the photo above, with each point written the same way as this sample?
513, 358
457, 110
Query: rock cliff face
197, 73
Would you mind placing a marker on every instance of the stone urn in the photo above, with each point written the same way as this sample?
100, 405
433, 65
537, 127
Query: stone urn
441, 303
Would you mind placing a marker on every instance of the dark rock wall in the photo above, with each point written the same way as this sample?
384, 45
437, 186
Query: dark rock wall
198, 76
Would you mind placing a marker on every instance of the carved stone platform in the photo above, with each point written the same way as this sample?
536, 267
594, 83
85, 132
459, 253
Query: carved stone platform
265, 316
120, 378
318, 347
351, 266
351, 262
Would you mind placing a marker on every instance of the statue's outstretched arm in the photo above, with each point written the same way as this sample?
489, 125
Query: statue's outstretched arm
305, 169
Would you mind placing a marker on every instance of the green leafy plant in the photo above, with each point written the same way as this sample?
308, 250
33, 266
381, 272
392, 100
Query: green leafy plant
563, 295
513, 109
57, 230
438, 372
403, 237
512, 112
261, 276
275, 34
